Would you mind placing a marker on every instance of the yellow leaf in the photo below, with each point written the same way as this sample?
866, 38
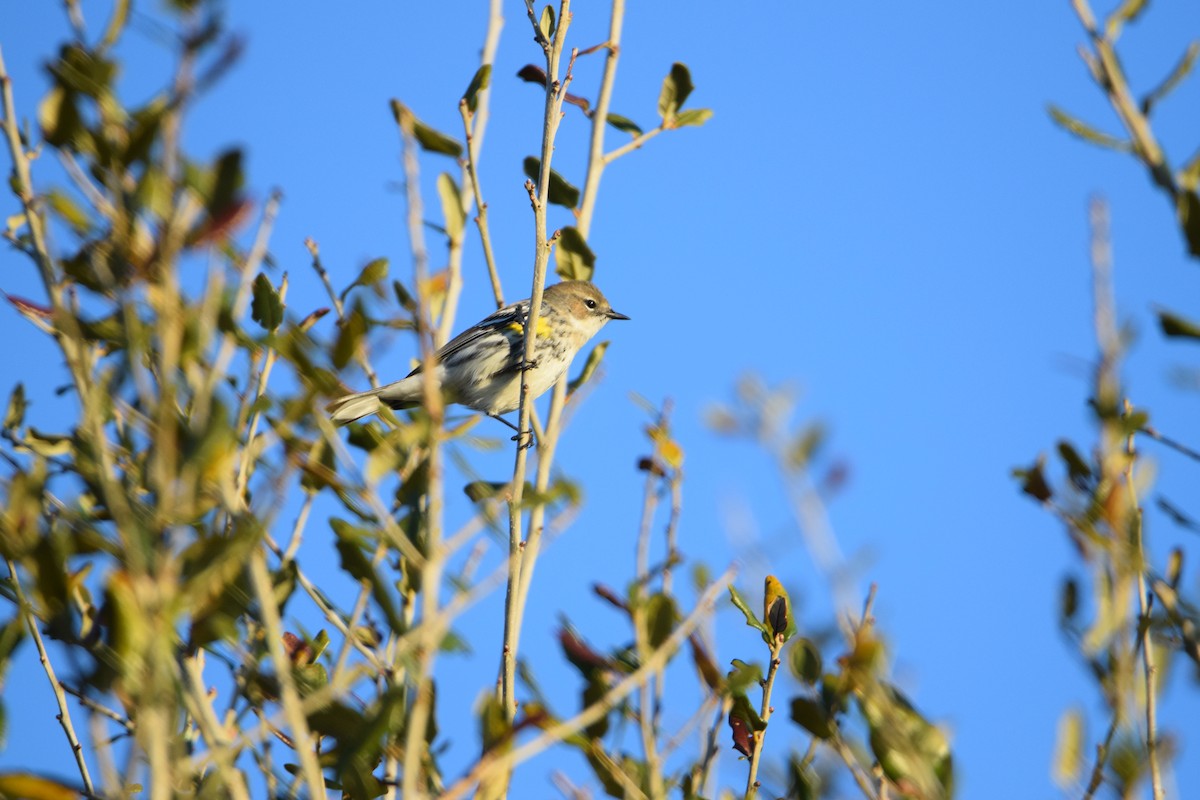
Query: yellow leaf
27, 786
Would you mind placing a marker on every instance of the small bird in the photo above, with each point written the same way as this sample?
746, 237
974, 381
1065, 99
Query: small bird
481, 367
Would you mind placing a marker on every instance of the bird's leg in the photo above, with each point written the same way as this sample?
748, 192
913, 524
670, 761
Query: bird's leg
520, 433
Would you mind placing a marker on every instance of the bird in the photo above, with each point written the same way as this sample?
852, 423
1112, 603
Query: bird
481, 367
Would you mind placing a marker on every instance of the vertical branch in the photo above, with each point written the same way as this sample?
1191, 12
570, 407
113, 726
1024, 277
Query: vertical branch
211, 728
646, 699
474, 127
473, 134
764, 712
64, 712
539, 197
1107, 71
310, 769
1143, 626
431, 569
243, 475
340, 308
596, 160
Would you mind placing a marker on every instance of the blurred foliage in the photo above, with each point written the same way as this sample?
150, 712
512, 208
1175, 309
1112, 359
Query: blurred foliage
1120, 607
147, 554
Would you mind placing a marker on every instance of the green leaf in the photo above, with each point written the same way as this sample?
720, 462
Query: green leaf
1069, 749
1077, 469
739, 601
495, 733
805, 445
28, 786
351, 540
1187, 206
675, 90
69, 211
811, 715
84, 71
479, 83
430, 140
1033, 480
624, 124
777, 611
546, 23
661, 616
560, 192
1189, 176
589, 368
349, 337
575, 261
1128, 11
266, 308
694, 117
453, 643
804, 659
1068, 602
47, 445
15, 414
62, 123
705, 664
375, 271
743, 676
1087, 132
479, 491
1173, 79
452, 210
227, 181
116, 24
912, 751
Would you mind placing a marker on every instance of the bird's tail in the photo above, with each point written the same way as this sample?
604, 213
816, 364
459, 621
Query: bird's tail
399, 395
346, 409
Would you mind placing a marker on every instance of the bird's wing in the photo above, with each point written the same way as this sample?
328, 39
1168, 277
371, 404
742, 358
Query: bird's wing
510, 315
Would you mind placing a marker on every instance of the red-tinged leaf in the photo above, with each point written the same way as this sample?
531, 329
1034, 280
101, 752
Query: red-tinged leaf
608, 594
299, 652
223, 223
29, 309
742, 740
312, 318
577, 651
532, 74
705, 664
745, 723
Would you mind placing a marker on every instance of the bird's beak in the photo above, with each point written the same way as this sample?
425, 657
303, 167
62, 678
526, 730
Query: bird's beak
615, 315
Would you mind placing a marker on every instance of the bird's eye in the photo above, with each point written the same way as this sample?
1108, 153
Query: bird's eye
589, 303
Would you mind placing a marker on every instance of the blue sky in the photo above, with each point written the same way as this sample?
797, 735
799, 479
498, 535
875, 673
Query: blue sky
880, 212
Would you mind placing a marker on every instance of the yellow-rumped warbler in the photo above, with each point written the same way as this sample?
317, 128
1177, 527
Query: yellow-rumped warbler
481, 367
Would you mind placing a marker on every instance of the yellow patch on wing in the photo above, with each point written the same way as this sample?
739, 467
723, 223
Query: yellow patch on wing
543, 328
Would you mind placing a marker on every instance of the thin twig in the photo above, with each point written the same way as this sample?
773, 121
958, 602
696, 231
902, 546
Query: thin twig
494, 762
1143, 626
211, 728
839, 746
415, 746
539, 197
635, 144
765, 711
646, 703
596, 160
310, 769
481, 218
64, 711
340, 309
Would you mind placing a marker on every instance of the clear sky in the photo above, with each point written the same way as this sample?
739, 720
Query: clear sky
880, 211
